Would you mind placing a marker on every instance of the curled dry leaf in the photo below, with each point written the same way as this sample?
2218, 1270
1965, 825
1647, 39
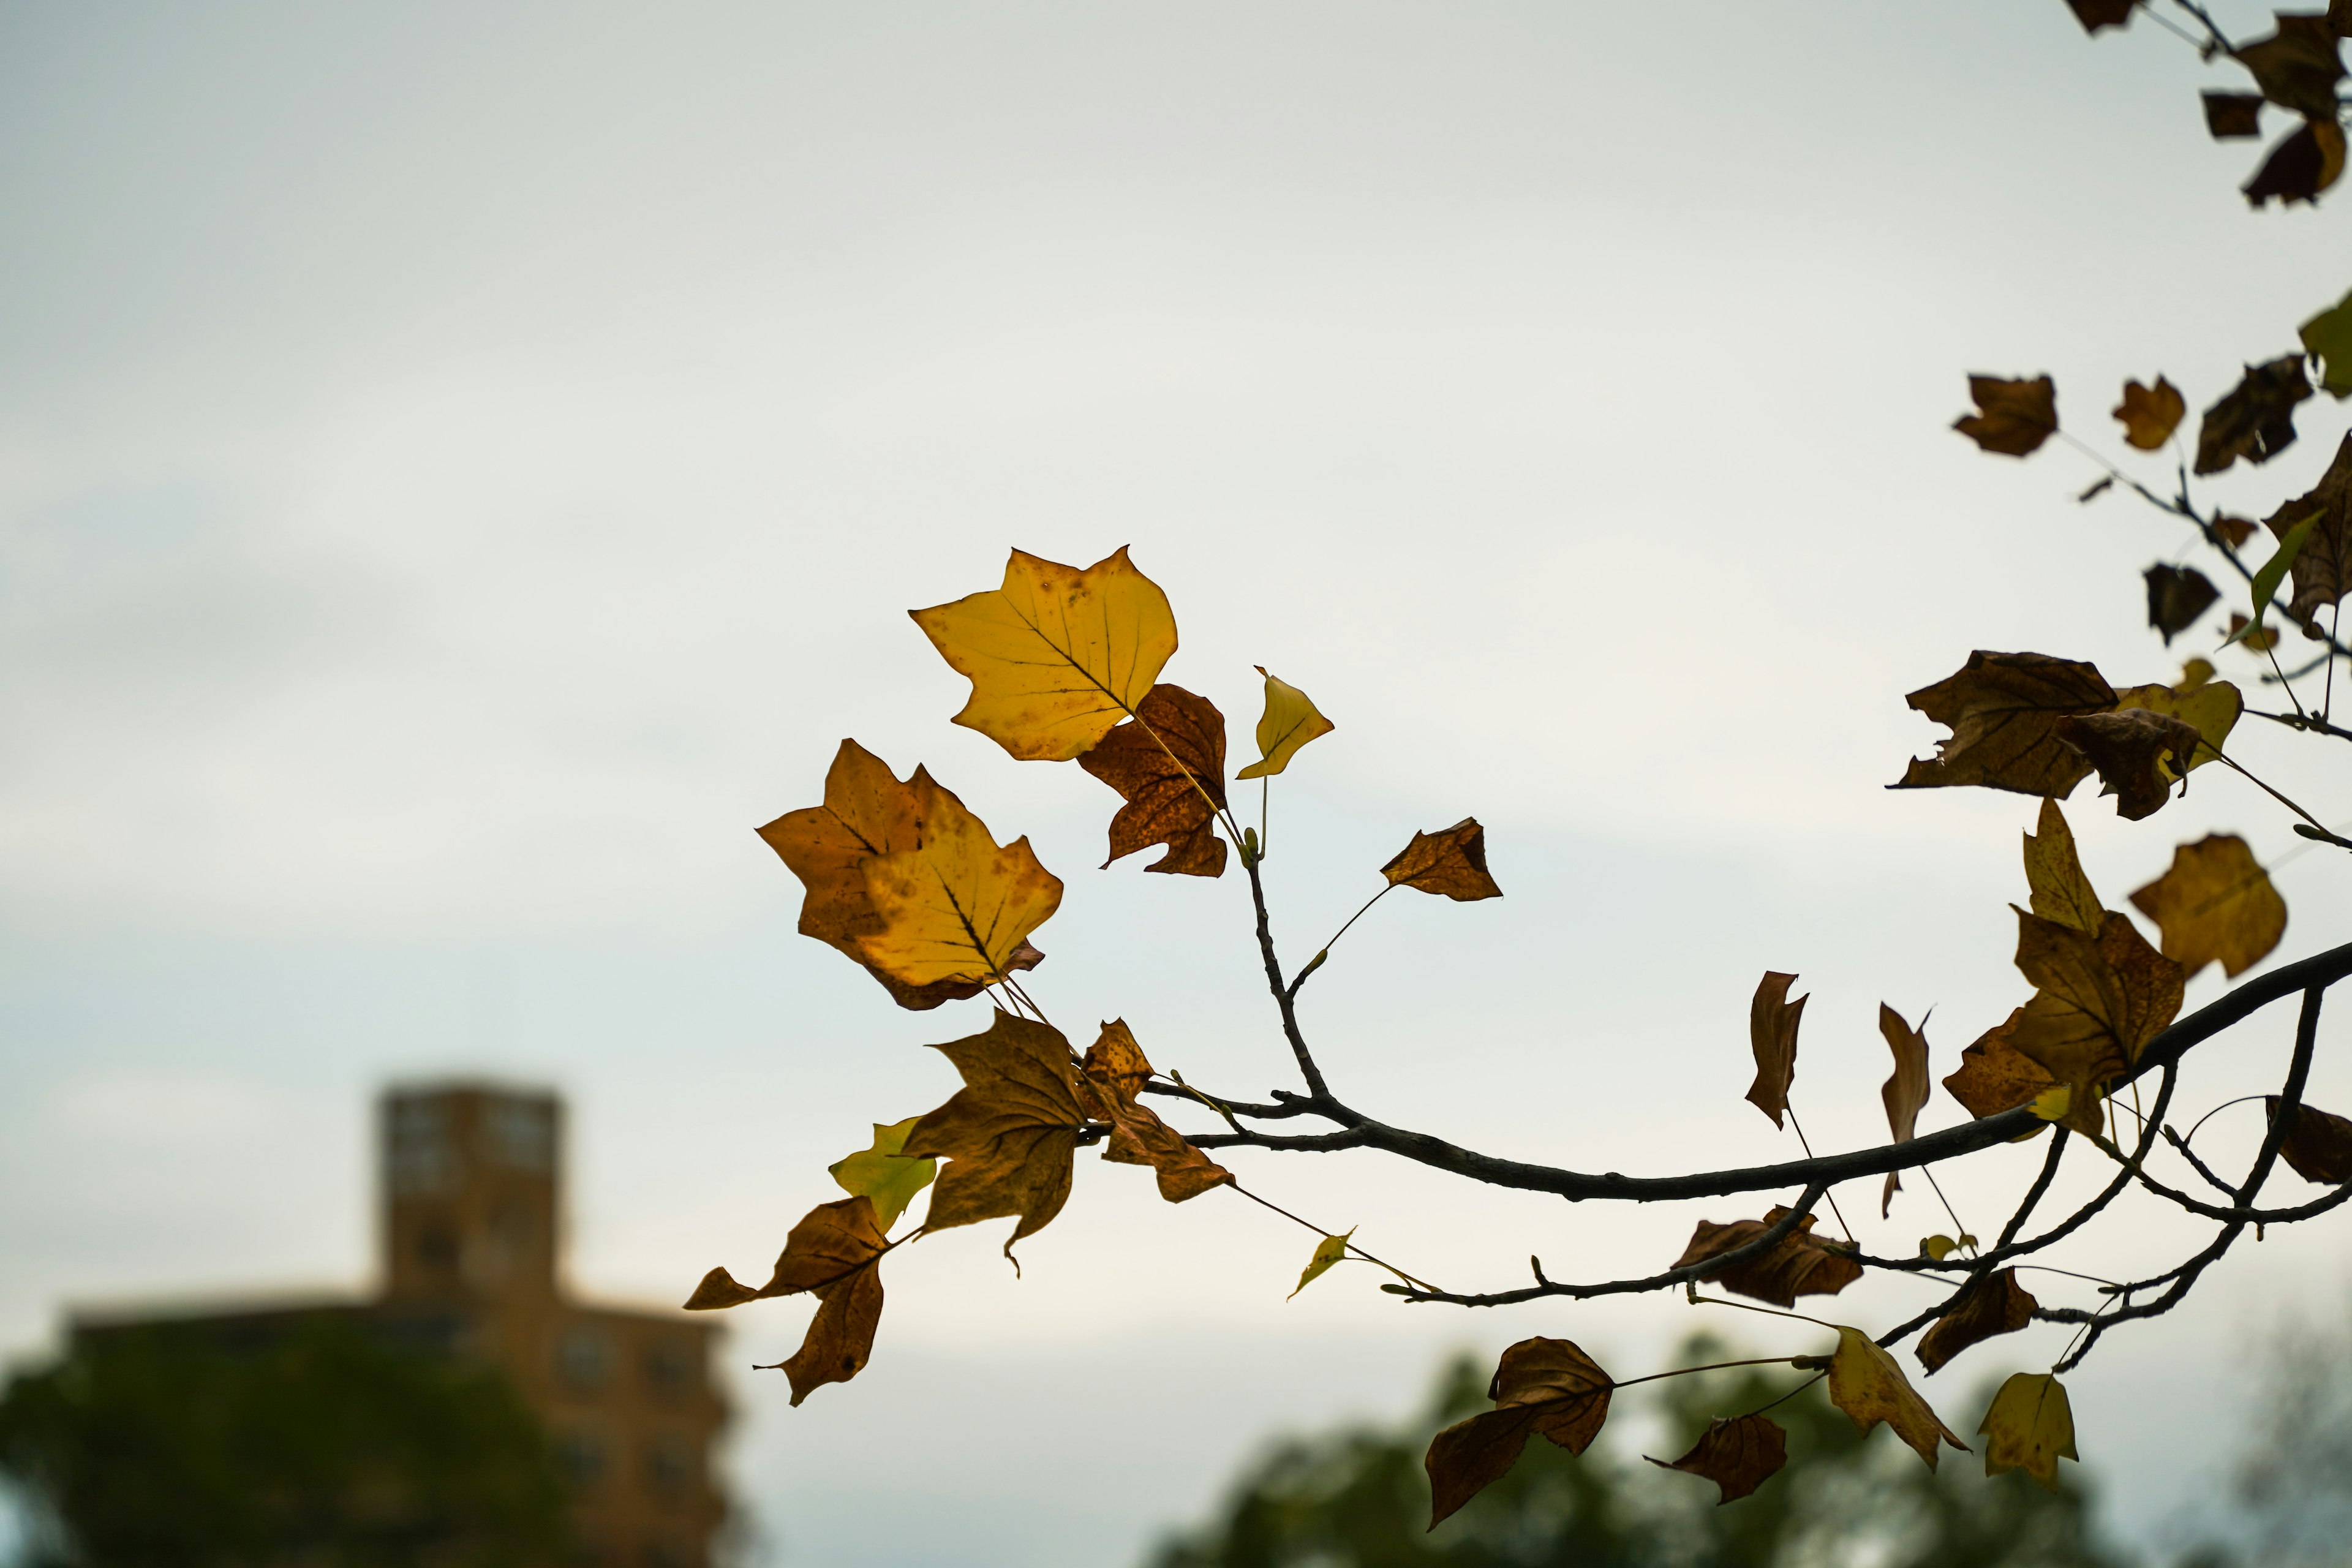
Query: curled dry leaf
2030, 1427
1992, 1304
2211, 706
1452, 861
2215, 902
2150, 413
1169, 764
2053, 873
2234, 530
2321, 568
2230, 115
2255, 420
2177, 596
1289, 721
1800, 1264
1772, 1022
2318, 1143
2297, 66
1738, 1453
2096, 14
2100, 1000
2139, 755
2301, 167
1329, 1253
1867, 1385
2327, 338
1056, 655
1994, 1076
1010, 1135
869, 815
2013, 418
1546, 1387
1109, 1080
2003, 710
881, 1174
1904, 1093
832, 1253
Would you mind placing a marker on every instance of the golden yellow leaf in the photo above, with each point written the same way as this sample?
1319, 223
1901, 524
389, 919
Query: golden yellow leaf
1169, 764
1290, 720
1867, 1385
1109, 1080
2211, 706
2194, 675
2215, 902
1938, 1247
2014, 417
2003, 710
2054, 1103
2101, 999
1800, 1264
1906, 1092
1738, 1453
2150, 413
1772, 1021
1992, 1304
1546, 1387
2029, 1428
1452, 861
833, 1254
882, 1174
954, 905
1009, 1135
1056, 655
2139, 753
1329, 1253
1994, 1076
2053, 872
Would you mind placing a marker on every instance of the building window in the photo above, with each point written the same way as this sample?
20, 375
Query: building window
583, 1458
522, 1132
669, 1465
670, 1365
584, 1360
418, 1156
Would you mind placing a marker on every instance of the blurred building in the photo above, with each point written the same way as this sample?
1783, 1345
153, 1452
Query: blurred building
470, 1245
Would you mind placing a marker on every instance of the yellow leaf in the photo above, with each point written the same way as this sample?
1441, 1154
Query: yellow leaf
880, 1174
2193, 675
2030, 1427
2055, 873
2215, 902
1938, 1247
1867, 1385
2053, 1103
1327, 1252
1291, 719
1057, 656
2211, 706
2101, 999
954, 905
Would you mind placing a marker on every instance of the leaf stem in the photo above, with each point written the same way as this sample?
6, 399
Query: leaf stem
1808, 1148
1711, 1366
1310, 1225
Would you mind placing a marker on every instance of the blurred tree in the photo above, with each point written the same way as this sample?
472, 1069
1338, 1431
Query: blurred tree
305, 1440
2295, 1480
1359, 1499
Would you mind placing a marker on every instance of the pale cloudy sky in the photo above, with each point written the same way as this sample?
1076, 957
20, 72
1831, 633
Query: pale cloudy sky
461, 470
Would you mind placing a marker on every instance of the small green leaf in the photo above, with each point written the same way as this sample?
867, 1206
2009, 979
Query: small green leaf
1327, 1252
2327, 338
1291, 721
884, 1175
2274, 572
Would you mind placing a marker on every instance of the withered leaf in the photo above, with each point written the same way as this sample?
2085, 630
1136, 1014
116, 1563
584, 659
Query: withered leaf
2096, 14
1110, 1078
2215, 902
2327, 338
2322, 568
1772, 1021
1867, 1385
2211, 706
954, 905
2255, 419
2003, 710
2318, 1143
832, 1252
2150, 413
2030, 1427
1009, 1135
1992, 1304
1289, 721
2129, 747
882, 1174
1452, 861
1905, 1092
1994, 1076
1541, 1386
1169, 763
1800, 1264
2100, 1000
2177, 596
2256, 640
1056, 655
2234, 114
1738, 1453
2013, 418
2300, 167
2053, 872
2234, 530
2297, 67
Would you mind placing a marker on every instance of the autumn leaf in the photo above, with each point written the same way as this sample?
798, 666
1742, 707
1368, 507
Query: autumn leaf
1994, 1076
2053, 873
1116, 1067
1541, 1387
1452, 861
1009, 1135
2013, 418
2132, 748
2243, 630
2215, 902
884, 1175
2100, 1000
1772, 1022
1290, 720
2303, 164
1328, 1253
2096, 14
1169, 763
2211, 706
2255, 420
1738, 1453
2177, 596
2322, 564
1904, 1093
2150, 413
832, 1253
1056, 655
2318, 1143
954, 905
2004, 709
2327, 338
1111, 1079
2194, 675
2030, 1427
1800, 1264
867, 814
1992, 1304
2230, 115
2297, 66
1867, 1385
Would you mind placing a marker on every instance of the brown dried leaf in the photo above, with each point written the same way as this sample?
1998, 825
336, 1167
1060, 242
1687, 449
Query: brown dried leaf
2150, 413
2255, 420
2260, 641
2322, 569
1110, 1078
2004, 709
2318, 1143
2297, 67
1169, 763
2300, 167
2014, 417
2053, 871
1772, 1022
1541, 1387
2211, 706
2215, 902
2230, 115
1992, 1304
2130, 748
1867, 1385
1738, 1454
2234, 530
1009, 1135
1800, 1264
1452, 861
2096, 14
1906, 1092
2100, 1000
2177, 596
832, 1253
1994, 1076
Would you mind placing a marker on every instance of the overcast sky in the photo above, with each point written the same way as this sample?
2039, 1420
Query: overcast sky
462, 469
